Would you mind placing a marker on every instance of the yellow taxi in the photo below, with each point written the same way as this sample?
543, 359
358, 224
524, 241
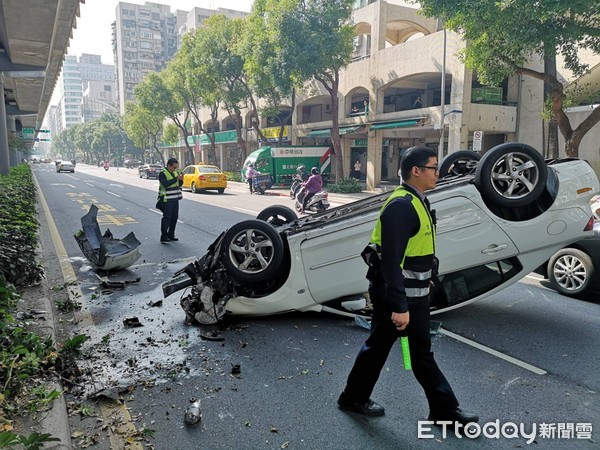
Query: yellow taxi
204, 177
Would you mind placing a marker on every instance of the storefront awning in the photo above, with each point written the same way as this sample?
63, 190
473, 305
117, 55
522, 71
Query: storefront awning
327, 132
390, 125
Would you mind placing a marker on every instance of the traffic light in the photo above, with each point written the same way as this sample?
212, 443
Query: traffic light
42, 131
42, 140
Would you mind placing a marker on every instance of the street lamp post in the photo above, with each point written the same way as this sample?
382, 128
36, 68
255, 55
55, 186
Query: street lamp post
443, 100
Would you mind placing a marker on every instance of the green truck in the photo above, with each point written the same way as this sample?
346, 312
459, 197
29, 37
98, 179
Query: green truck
282, 162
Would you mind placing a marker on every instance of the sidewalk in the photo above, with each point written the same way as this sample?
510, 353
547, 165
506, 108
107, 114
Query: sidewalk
284, 191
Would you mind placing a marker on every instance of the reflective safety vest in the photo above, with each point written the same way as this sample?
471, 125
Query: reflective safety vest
417, 264
173, 192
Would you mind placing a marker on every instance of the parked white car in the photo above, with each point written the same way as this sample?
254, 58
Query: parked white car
494, 227
65, 166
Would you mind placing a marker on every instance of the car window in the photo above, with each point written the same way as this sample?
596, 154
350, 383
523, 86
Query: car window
189, 170
465, 284
208, 169
155, 166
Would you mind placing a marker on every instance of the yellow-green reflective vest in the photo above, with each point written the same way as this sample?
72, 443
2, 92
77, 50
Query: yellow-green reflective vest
173, 192
418, 261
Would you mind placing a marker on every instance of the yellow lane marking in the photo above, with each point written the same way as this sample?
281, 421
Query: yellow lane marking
126, 427
86, 200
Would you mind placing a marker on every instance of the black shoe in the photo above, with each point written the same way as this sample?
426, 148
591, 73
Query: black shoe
173, 238
456, 415
368, 408
164, 239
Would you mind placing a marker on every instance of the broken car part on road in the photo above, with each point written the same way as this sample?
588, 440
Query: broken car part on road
104, 251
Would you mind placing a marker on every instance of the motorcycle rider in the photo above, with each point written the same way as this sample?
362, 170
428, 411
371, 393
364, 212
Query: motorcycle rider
313, 185
106, 166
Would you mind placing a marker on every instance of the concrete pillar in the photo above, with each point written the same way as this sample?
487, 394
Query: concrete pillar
374, 159
4, 152
15, 157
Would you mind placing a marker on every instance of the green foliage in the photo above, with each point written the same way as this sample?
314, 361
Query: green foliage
233, 176
501, 36
170, 135
18, 228
345, 186
35, 441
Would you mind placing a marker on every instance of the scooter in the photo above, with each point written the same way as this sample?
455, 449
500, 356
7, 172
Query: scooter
317, 202
106, 166
295, 187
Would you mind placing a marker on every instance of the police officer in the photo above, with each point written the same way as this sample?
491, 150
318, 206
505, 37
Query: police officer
169, 194
404, 236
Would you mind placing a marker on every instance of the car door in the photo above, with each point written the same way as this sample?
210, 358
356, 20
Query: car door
188, 174
467, 236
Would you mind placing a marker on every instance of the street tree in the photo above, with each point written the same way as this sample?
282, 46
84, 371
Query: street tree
218, 49
156, 93
317, 34
144, 127
502, 36
270, 71
196, 84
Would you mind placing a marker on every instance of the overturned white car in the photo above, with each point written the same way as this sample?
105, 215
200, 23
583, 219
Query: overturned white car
495, 224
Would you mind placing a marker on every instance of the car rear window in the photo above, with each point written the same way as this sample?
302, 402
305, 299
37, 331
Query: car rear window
204, 169
155, 166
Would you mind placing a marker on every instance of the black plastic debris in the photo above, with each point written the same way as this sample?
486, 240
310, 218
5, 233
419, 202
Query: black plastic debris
132, 322
212, 336
236, 369
155, 303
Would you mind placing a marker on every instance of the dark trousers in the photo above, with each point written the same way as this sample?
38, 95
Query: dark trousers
251, 184
375, 350
169, 218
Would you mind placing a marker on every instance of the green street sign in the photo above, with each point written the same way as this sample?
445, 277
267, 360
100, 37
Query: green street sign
27, 131
43, 131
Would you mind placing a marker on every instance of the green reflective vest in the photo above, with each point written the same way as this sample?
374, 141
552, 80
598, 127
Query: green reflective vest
417, 263
173, 192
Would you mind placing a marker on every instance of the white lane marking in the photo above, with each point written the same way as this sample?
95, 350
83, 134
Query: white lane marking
74, 177
246, 210
89, 184
62, 184
155, 211
535, 277
117, 185
180, 221
493, 352
112, 193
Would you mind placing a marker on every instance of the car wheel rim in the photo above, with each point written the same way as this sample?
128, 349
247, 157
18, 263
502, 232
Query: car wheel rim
570, 273
515, 175
251, 251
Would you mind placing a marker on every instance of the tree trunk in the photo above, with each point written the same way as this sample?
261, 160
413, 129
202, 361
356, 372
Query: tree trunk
550, 69
335, 130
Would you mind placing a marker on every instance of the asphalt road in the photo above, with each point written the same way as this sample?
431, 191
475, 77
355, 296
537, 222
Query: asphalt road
293, 366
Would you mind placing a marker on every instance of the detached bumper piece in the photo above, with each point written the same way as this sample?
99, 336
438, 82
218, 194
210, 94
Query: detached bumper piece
104, 251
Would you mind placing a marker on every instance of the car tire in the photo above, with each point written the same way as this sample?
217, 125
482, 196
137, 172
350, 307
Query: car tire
277, 215
570, 271
193, 188
499, 179
462, 162
257, 262
220, 190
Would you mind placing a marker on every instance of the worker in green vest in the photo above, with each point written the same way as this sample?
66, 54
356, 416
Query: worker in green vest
169, 194
403, 244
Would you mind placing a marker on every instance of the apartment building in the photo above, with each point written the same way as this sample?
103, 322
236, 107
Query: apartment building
69, 105
405, 86
194, 19
144, 39
98, 87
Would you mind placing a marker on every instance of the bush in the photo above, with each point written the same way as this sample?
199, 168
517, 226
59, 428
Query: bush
234, 176
345, 186
18, 228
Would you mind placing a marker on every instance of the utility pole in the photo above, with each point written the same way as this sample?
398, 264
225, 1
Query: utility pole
443, 101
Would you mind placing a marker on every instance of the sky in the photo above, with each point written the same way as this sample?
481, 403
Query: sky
93, 32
